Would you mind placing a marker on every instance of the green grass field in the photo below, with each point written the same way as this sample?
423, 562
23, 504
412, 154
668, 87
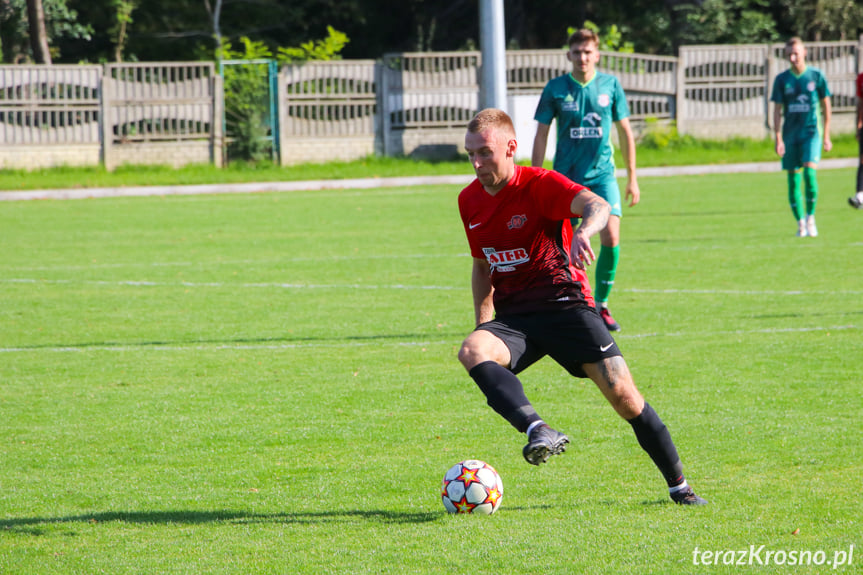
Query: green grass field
268, 383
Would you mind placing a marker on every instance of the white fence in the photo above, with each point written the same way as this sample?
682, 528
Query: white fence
41, 105
423, 100
328, 112
403, 104
725, 90
165, 113
160, 113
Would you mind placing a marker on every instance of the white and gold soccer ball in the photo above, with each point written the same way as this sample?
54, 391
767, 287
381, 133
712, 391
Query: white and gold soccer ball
472, 486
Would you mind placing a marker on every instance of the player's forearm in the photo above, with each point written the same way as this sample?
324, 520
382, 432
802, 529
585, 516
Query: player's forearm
485, 310
627, 150
594, 216
827, 112
483, 301
540, 143
538, 155
627, 146
777, 122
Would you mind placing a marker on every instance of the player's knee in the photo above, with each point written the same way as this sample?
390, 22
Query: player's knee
467, 355
471, 353
477, 348
626, 399
628, 406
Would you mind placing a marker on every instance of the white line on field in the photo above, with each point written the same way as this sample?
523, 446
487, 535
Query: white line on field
144, 283
270, 262
216, 347
299, 286
238, 188
769, 330
739, 292
374, 183
288, 346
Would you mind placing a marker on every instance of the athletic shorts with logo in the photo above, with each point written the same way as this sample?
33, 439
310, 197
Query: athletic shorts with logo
571, 337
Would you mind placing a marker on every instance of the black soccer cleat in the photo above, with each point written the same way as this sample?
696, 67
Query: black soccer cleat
687, 497
544, 442
855, 203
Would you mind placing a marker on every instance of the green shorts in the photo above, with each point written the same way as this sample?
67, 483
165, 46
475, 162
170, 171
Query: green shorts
802, 152
609, 191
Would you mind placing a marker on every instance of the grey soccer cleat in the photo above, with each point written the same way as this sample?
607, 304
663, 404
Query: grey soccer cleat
542, 443
687, 497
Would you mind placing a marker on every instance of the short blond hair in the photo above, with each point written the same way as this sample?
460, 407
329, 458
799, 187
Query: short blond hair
582, 36
492, 118
793, 40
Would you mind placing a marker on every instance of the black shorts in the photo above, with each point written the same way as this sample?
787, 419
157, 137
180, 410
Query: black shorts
572, 337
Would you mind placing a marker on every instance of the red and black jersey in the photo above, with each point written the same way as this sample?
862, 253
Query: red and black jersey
524, 233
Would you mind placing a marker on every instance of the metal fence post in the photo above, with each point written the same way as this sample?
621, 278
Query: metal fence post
383, 93
106, 133
769, 73
217, 135
281, 115
680, 92
380, 109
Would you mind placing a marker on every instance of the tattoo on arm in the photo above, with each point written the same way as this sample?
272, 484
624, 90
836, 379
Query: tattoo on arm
594, 216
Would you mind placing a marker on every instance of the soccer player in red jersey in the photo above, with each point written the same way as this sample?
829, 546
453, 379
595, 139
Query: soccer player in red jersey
856, 201
532, 297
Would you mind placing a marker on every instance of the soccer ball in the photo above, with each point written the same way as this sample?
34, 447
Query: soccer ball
472, 486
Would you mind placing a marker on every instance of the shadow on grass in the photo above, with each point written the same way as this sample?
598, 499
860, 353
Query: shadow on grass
36, 525
30, 525
247, 341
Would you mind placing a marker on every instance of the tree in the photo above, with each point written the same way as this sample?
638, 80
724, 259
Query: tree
38, 33
124, 9
247, 91
193, 29
59, 22
728, 22
215, 14
824, 19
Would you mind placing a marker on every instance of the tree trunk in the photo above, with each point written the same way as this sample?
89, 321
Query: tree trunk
38, 33
215, 13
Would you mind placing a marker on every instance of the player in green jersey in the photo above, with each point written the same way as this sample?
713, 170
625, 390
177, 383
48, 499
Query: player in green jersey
586, 103
801, 122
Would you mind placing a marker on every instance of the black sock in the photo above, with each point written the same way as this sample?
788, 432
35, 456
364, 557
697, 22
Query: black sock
505, 394
654, 438
860, 176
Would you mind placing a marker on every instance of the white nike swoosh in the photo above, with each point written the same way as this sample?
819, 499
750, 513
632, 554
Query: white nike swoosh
472, 226
604, 348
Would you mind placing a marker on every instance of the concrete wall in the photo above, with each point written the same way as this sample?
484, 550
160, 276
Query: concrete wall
312, 150
174, 154
35, 157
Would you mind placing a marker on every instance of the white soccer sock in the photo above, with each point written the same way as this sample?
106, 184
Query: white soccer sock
533, 426
677, 488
